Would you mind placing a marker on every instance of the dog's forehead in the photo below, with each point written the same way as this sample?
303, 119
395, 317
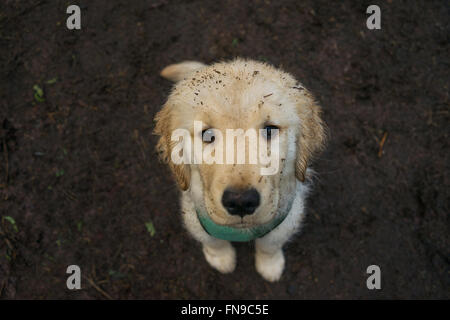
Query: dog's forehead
231, 94
237, 95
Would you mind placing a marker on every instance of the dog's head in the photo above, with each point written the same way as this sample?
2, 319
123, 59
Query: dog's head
253, 97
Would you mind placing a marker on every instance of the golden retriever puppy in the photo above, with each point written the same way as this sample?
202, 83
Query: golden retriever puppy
224, 199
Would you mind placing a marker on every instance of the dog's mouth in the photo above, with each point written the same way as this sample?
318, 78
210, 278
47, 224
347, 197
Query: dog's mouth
240, 231
241, 225
237, 225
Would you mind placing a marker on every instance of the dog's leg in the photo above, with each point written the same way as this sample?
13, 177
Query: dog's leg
269, 257
220, 254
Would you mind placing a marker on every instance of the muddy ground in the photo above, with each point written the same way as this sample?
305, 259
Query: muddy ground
80, 181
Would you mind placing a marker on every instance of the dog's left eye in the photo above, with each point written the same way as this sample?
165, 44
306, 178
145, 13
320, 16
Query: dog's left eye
270, 131
208, 135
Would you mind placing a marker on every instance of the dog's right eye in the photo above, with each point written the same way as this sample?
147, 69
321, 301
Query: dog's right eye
208, 135
269, 131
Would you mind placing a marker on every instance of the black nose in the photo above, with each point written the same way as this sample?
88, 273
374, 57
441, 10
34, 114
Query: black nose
241, 202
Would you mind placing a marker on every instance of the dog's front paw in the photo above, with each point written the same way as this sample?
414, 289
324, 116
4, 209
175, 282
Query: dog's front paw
270, 266
222, 259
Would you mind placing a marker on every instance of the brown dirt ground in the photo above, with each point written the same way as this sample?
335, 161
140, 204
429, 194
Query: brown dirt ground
80, 177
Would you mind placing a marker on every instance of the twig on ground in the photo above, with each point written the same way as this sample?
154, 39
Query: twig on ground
92, 283
382, 142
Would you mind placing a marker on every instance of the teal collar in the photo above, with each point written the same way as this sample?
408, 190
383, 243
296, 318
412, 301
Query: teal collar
238, 234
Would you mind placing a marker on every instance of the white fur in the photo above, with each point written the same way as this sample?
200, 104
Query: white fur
269, 257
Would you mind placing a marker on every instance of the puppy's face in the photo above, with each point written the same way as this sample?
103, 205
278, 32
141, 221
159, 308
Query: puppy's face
258, 100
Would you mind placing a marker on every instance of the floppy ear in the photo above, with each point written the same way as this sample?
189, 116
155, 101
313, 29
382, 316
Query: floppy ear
163, 129
312, 135
179, 71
